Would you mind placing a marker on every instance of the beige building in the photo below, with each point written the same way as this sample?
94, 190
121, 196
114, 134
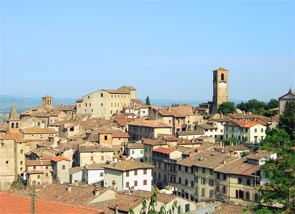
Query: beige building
12, 156
104, 103
149, 145
180, 118
220, 88
38, 133
286, 98
148, 129
90, 153
39, 172
61, 169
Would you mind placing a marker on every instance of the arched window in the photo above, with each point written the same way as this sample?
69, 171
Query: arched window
16, 125
256, 197
222, 76
248, 182
247, 196
12, 125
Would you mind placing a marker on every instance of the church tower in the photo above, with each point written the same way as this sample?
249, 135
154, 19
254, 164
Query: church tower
13, 120
47, 102
220, 88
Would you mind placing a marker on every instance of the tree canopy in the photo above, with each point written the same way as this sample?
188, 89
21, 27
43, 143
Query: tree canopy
227, 108
259, 107
287, 120
147, 101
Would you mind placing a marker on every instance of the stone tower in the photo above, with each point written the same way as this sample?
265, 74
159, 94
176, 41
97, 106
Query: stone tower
13, 120
47, 102
220, 88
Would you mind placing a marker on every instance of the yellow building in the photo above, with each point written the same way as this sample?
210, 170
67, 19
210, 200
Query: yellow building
220, 88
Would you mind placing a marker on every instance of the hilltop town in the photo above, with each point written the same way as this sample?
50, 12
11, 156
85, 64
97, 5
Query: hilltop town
105, 153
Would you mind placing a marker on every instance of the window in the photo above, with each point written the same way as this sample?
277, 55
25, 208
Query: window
101, 104
203, 181
102, 158
211, 193
255, 130
224, 177
38, 176
135, 172
6, 162
101, 94
203, 192
46, 174
185, 182
144, 182
256, 197
262, 130
203, 170
133, 152
222, 76
127, 174
248, 182
218, 175
239, 180
105, 137
179, 168
159, 176
211, 183
141, 151
46, 167
179, 180
187, 208
127, 184
91, 158
247, 196
186, 169
224, 189
21, 162
135, 183
192, 183
71, 129
192, 169
63, 167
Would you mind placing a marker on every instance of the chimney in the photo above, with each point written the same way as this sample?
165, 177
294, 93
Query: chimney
69, 187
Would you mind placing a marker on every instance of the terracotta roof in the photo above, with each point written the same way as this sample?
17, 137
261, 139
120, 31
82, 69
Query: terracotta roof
207, 159
59, 158
120, 134
38, 163
94, 148
206, 126
229, 208
13, 136
177, 111
164, 150
75, 170
21, 204
195, 132
35, 172
239, 167
38, 131
95, 166
150, 123
135, 146
260, 154
129, 165
152, 142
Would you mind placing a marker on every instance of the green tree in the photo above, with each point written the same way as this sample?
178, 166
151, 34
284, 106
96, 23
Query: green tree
253, 105
147, 101
281, 185
227, 108
231, 141
276, 140
287, 120
273, 103
149, 205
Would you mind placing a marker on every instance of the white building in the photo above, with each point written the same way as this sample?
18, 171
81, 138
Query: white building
93, 173
129, 174
135, 151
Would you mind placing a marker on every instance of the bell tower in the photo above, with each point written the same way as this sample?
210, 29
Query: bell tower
220, 88
13, 120
47, 102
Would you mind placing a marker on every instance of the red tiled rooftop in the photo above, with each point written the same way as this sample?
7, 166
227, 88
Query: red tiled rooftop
59, 158
19, 204
164, 150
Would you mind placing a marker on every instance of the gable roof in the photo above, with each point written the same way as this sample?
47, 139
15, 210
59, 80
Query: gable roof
129, 165
13, 136
59, 158
289, 95
150, 123
164, 150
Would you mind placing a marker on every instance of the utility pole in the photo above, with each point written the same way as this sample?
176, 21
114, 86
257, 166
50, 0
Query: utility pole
33, 194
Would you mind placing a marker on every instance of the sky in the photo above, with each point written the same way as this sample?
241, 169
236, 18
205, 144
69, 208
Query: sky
166, 49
